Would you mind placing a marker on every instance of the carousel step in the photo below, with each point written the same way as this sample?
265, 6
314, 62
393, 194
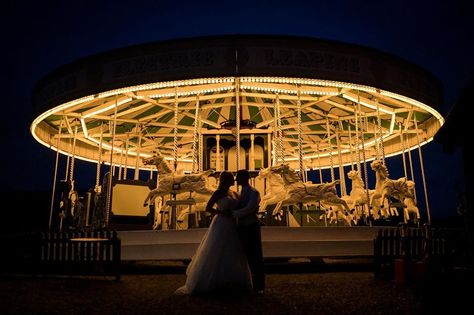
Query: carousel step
277, 242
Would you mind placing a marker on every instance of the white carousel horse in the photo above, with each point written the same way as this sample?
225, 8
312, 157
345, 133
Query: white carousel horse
294, 191
357, 198
183, 212
386, 188
277, 194
336, 208
180, 184
358, 194
171, 182
410, 204
325, 192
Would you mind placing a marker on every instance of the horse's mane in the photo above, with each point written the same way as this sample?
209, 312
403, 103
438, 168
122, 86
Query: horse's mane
288, 174
381, 167
277, 177
159, 159
355, 177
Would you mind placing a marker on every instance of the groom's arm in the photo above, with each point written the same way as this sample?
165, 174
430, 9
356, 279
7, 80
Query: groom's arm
250, 208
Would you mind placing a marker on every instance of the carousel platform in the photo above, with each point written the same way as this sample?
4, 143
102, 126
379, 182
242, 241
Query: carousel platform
278, 242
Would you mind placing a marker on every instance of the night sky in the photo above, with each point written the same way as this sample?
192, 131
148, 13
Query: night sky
39, 36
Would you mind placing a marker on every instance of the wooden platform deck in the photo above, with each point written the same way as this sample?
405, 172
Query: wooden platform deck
278, 242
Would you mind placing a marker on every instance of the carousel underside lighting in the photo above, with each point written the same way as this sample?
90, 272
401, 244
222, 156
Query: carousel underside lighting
279, 127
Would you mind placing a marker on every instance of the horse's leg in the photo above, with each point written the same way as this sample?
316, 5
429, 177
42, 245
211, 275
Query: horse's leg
329, 213
336, 201
145, 202
382, 206
341, 212
345, 205
374, 196
157, 222
340, 203
263, 201
277, 213
385, 203
348, 219
180, 221
263, 206
333, 215
395, 211
149, 196
375, 205
374, 209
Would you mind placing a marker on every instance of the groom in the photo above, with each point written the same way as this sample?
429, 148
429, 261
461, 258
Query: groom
248, 228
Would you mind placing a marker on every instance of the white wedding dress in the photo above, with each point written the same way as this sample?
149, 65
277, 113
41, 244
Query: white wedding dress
219, 264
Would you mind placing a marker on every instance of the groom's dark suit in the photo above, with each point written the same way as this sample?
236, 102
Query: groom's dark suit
248, 228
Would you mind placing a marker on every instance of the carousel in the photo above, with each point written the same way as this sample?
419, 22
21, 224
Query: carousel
315, 122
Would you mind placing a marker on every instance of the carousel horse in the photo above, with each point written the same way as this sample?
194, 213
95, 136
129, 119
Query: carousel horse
385, 188
357, 198
99, 209
171, 182
324, 192
409, 202
182, 185
287, 189
67, 201
358, 194
277, 195
182, 211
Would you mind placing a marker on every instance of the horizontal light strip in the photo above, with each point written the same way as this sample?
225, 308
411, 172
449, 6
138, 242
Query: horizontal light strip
285, 91
159, 85
195, 92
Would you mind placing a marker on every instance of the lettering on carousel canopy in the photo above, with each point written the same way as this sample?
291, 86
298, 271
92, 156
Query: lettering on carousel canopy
311, 59
57, 87
415, 82
163, 62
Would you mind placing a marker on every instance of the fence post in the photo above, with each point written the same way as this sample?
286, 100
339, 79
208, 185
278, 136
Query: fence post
116, 256
378, 253
400, 262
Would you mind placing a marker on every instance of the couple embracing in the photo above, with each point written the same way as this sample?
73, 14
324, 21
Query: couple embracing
229, 257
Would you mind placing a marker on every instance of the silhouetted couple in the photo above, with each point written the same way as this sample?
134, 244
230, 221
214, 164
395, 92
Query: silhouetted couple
229, 257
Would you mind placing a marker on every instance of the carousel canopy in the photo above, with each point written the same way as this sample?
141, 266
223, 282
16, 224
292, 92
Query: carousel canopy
309, 98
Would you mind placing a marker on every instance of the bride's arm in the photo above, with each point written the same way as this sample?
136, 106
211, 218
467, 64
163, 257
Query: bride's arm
212, 201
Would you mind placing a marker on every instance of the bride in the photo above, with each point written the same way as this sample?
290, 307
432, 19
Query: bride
219, 264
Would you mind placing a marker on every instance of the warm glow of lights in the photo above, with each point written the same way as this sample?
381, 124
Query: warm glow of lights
350, 98
84, 128
107, 108
402, 98
310, 88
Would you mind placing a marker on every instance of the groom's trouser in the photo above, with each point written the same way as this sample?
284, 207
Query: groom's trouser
251, 239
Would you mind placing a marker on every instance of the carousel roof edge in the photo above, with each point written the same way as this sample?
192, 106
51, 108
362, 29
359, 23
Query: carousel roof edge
454, 133
236, 55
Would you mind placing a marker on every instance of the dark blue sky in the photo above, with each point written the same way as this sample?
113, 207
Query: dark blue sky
39, 36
